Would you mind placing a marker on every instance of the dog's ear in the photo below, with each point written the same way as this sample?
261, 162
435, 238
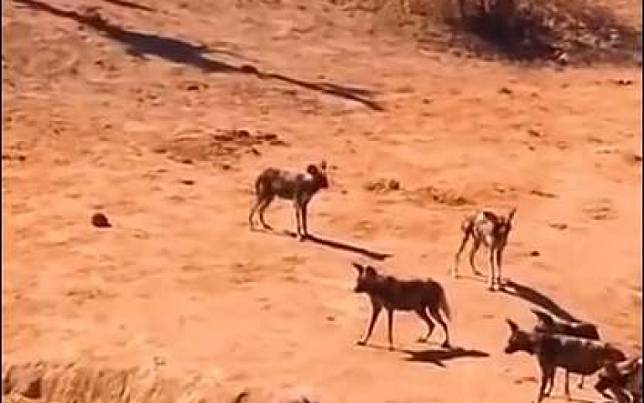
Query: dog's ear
312, 169
358, 267
371, 271
544, 317
513, 326
511, 214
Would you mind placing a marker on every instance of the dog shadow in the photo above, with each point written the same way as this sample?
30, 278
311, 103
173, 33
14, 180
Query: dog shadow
535, 297
327, 242
480, 278
439, 356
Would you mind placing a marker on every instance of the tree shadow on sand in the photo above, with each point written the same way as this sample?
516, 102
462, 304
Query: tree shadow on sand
141, 44
537, 298
439, 356
129, 4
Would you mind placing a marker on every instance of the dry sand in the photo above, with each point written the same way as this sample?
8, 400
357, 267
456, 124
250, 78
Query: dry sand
178, 281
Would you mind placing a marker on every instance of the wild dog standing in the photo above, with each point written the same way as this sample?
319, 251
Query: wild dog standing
420, 296
574, 354
299, 187
491, 230
547, 324
622, 379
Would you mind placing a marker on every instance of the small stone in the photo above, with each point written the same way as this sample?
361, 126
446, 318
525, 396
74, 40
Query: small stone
535, 253
535, 133
187, 181
394, 184
99, 220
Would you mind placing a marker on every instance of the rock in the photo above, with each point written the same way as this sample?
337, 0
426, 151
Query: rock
393, 184
99, 220
559, 226
541, 193
23, 380
622, 82
535, 133
535, 253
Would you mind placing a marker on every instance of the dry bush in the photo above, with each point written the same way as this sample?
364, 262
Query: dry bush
572, 31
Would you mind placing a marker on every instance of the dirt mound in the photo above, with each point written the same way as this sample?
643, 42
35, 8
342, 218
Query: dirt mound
73, 383
50, 382
221, 146
430, 194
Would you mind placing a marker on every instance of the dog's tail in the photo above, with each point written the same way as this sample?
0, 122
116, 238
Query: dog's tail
442, 302
259, 182
467, 225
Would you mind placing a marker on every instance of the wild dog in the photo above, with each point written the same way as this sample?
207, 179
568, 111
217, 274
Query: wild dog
621, 379
420, 296
298, 187
491, 230
574, 354
547, 324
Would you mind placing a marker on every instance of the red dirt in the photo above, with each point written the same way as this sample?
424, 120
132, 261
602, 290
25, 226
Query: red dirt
179, 277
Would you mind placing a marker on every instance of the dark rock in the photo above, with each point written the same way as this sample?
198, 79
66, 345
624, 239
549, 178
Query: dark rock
100, 220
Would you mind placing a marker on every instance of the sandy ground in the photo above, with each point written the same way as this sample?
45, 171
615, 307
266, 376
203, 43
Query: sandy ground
132, 122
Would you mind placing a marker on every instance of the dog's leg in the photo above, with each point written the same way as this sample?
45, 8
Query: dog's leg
491, 274
305, 230
499, 262
252, 213
390, 328
475, 247
430, 325
457, 258
621, 396
298, 221
266, 202
436, 315
375, 311
580, 385
547, 372
551, 383
567, 385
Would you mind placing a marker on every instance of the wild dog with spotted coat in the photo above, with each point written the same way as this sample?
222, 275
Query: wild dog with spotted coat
622, 379
420, 296
298, 187
491, 230
548, 324
574, 354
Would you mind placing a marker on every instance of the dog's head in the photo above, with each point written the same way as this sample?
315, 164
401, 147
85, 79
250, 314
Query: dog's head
614, 354
519, 340
319, 174
505, 225
545, 323
366, 276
